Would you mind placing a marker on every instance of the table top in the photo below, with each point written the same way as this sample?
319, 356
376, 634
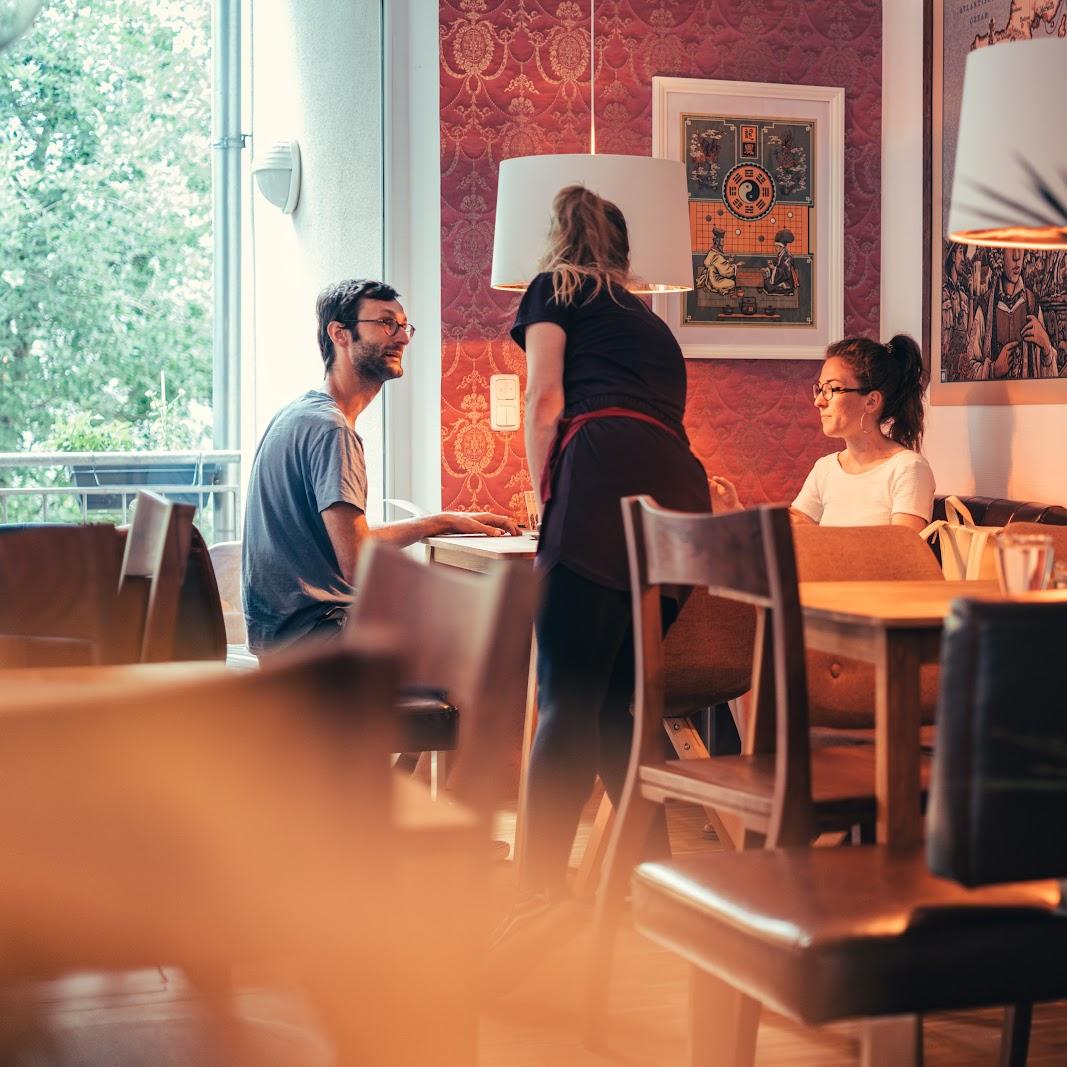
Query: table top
900, 605
486, 547
31, 687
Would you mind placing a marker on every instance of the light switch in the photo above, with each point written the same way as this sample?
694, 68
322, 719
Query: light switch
504, 402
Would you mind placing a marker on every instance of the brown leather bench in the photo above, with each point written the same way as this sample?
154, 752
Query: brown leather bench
995, 511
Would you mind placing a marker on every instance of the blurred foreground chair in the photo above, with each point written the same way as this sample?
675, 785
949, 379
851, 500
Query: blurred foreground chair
244, 818
57, 594
826, 934
781, 790
841, 691
467, 639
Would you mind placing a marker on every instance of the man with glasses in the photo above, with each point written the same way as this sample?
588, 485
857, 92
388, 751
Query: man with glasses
305, 519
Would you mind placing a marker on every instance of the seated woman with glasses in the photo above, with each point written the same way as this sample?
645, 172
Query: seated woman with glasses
870, 396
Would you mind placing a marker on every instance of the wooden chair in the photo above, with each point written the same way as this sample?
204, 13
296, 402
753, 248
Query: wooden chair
781, 789
841, 691
1057, 533
153, 569
826, 934
707, 662
467, 637
57, 593
226, 560
201, 629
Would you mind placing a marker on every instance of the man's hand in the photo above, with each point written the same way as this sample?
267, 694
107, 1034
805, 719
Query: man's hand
477, 522
1034, 332
723, 495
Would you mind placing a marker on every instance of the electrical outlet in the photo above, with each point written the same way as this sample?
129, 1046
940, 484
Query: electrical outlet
504, 402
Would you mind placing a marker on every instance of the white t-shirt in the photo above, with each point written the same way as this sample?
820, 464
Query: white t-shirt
831, 496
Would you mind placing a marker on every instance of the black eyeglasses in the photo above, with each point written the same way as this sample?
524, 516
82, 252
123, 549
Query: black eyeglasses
392, 327
827, 391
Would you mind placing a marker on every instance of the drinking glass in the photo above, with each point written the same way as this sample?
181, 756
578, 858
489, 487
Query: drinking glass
1059, 574
1024, 562
533, 512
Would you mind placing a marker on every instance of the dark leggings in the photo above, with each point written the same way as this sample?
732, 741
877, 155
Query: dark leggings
585, 684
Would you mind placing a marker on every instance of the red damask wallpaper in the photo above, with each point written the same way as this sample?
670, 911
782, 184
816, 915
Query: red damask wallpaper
515, 81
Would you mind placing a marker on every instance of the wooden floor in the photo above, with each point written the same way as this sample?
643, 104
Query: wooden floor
153, 1018
538, 1022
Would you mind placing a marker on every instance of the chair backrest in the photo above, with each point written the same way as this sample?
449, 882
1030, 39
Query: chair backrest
153, 569
863, 554
226, 559
468, 635
201, 629
998, 797
57, 593
748, 557
246, 798
1057, 533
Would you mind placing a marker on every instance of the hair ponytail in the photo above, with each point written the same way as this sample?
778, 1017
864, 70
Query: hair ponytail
588, 239
896, 370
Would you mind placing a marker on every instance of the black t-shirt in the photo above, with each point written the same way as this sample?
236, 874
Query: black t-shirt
618, 354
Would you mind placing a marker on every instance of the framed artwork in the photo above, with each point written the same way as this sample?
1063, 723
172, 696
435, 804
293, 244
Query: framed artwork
764, 164
978, 301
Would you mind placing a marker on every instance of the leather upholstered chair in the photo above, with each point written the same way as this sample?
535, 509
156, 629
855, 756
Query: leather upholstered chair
780, 789
841, 691
826, 934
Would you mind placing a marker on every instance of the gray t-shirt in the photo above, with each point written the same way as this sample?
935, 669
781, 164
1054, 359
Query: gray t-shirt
309, 458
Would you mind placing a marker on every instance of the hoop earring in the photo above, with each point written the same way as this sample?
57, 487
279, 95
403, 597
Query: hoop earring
862, 417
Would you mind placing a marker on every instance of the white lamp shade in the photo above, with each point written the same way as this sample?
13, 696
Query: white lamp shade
1010, 182
277, 173
651, 194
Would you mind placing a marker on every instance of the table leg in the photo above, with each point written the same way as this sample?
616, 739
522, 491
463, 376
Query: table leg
529, 728
897, 718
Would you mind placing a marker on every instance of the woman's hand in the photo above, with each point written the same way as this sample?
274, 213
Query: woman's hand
723, 495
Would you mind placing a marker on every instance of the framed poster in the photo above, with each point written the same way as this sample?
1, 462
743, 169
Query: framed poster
764, 164
979, 301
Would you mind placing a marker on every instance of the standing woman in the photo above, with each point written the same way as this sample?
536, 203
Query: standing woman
870, 396
605, 397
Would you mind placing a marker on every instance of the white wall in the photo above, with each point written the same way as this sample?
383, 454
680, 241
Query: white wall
413, 247
1015, 452
316, 78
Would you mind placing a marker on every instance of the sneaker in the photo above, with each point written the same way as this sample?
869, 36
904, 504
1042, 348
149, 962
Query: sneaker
538, 925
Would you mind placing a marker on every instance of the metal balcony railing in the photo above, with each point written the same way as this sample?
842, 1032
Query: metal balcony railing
101, 486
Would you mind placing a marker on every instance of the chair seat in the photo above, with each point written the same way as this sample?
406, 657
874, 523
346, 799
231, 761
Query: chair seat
426, 723
842, 783
872, 932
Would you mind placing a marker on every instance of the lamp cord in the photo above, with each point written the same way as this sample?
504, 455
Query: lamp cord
592, 77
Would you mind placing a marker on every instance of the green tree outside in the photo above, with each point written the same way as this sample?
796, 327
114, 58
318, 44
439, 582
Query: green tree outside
105, 226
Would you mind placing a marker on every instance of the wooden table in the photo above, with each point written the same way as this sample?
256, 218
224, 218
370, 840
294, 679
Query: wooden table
896, 626
478, 552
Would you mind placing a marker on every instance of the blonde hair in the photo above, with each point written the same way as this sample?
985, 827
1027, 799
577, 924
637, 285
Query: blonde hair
587, 239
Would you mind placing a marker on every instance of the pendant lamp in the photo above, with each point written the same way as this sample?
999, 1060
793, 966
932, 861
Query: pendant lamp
651, 193
1010, 183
